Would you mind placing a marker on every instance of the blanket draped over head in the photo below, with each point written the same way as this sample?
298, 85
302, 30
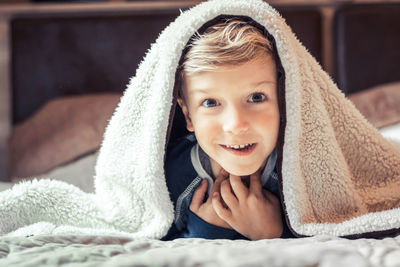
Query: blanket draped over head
337, 174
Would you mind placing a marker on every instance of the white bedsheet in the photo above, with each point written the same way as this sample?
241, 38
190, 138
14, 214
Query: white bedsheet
322, 251
79, 172
391, 132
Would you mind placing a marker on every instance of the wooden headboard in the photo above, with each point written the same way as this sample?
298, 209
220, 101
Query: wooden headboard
367, 45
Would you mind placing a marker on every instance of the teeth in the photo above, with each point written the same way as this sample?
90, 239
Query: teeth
238, 146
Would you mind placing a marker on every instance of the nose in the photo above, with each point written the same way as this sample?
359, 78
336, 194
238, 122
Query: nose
235, 121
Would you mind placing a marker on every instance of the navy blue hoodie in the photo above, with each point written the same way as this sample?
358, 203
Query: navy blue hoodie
183, 179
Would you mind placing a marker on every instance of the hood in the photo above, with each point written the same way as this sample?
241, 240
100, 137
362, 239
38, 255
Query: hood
338, 175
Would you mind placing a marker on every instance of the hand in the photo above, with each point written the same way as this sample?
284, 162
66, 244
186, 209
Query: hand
205, 210
253, 212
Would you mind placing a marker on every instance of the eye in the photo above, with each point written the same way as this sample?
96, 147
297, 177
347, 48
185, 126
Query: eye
257, 97
209, 103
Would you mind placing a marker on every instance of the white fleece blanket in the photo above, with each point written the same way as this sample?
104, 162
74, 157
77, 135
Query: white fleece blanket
131, 197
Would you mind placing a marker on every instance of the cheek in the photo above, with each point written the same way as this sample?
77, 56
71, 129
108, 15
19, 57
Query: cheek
268, 123
205, 128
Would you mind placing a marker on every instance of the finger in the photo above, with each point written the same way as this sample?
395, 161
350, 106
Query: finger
239, 189
255, 183
222, 175
270, 196
198, 196
227, 195
224, 213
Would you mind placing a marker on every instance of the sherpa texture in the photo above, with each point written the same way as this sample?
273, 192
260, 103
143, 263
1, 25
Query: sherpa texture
339, 176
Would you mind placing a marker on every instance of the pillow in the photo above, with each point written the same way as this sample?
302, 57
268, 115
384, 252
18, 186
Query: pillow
79, 172
59, 132
379, 104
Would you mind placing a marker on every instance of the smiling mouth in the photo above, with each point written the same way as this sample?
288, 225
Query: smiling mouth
241, 150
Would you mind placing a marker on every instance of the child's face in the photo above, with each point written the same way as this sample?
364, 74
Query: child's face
234, 105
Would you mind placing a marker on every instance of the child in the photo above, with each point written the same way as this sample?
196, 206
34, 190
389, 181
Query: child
229, 99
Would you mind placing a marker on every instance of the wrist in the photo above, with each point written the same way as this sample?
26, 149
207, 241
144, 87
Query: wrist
276, 233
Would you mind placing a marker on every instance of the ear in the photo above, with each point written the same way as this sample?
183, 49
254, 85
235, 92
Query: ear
189, 124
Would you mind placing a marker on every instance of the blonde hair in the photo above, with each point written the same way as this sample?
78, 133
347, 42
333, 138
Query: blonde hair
231, 42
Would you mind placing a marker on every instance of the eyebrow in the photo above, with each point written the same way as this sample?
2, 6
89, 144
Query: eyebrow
258, 84
208, 89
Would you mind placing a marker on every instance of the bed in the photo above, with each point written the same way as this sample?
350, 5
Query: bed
98, 100
119, 251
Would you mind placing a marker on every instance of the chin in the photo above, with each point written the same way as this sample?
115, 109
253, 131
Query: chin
241, 172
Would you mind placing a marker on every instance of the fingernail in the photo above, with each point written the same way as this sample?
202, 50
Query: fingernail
215, 194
